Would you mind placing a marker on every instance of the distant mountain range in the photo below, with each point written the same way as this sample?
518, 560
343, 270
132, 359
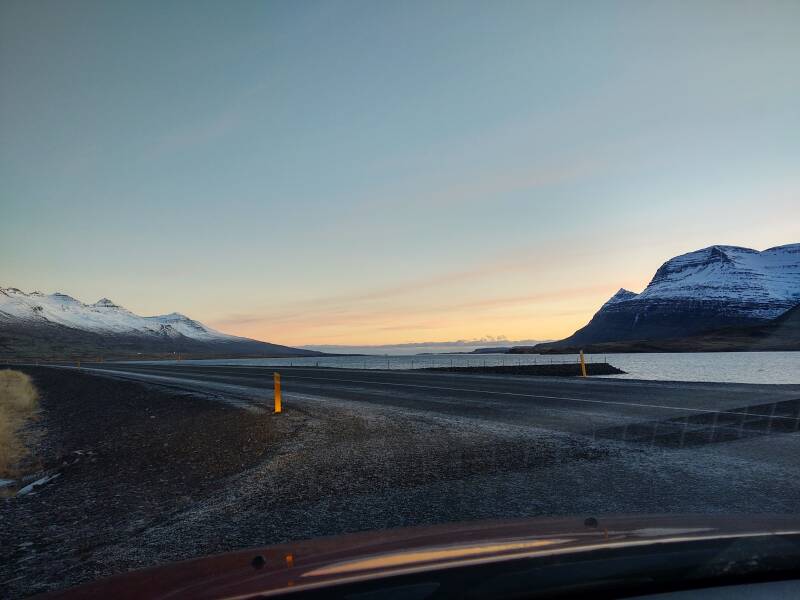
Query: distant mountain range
725, 297
36, 325
414, 348
717, 298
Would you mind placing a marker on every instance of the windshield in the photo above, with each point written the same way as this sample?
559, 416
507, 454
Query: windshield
275, 271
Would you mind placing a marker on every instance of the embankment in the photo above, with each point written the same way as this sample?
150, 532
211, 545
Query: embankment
559, 370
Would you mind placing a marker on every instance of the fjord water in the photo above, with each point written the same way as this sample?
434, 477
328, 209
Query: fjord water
730, 367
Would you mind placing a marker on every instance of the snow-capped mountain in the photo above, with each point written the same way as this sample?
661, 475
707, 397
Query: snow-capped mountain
37, 320
104, 316
769, 280
718, 286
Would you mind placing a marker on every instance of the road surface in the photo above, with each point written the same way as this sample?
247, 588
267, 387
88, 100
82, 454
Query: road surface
592, 406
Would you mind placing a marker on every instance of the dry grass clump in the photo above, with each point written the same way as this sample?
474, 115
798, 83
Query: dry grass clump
19, 401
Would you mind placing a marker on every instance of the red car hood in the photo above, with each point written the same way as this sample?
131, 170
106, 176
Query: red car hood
302, 565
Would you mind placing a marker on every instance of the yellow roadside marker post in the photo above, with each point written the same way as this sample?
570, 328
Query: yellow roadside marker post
583, 365
277, 379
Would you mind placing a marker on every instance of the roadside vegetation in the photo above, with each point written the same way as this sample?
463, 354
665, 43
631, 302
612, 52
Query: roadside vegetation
19, 401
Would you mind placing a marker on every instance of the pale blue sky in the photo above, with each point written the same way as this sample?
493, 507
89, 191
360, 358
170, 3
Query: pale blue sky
334, 172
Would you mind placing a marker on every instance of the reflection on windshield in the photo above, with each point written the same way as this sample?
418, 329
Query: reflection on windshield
399, 559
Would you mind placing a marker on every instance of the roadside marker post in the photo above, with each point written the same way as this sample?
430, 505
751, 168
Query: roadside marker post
583, 365
277, 380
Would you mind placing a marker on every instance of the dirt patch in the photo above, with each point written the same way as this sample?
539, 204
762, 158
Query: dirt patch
19, 402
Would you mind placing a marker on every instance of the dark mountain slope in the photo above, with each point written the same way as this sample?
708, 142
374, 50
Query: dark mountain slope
712, 288
780, 334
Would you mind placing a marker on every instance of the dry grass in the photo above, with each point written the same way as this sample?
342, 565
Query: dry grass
19, 401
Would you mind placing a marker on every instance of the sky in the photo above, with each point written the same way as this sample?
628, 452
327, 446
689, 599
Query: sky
389, 172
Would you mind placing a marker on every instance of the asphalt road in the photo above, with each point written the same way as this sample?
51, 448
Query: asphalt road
573, 405
540, 445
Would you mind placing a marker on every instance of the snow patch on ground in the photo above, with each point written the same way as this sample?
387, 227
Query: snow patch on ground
28, 489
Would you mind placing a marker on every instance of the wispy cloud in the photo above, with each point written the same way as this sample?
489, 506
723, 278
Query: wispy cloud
406, 317
494, 185
471, 188
199, 133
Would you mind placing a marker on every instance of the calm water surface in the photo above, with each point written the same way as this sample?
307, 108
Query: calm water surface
736, 367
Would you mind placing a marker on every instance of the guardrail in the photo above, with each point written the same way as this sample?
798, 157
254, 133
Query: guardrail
372, 362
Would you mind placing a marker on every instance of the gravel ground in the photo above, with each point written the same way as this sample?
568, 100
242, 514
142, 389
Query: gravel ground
128, 457
149, 476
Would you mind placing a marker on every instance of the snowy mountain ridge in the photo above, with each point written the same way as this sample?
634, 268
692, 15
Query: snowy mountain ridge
104, 316
718, 286
731, 273
621, 295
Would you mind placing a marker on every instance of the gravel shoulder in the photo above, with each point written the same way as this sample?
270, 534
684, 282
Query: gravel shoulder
128, 457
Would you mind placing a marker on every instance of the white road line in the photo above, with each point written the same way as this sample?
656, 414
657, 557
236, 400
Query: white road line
184, 384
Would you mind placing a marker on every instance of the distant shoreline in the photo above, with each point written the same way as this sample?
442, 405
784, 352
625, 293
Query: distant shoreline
642, 350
